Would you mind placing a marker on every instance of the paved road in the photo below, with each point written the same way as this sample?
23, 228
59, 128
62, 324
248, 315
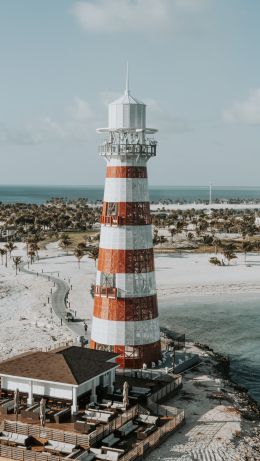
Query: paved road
58, 299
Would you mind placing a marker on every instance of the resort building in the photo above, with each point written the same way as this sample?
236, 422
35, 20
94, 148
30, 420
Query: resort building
125, 316
72, 374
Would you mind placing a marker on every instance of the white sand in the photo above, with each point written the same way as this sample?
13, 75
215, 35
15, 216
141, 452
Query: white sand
192, 275
26, 323
23, 298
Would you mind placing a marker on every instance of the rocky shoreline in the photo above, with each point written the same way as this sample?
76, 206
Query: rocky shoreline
222, 419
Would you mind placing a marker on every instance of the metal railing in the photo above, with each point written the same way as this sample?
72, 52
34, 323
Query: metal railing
110, 149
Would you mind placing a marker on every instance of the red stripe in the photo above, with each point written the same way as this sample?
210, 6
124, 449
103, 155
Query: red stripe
126, 213
133, 357
125, 261
126, 172
126, 309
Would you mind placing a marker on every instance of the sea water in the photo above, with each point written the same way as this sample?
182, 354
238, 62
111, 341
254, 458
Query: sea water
40, 194
229, 324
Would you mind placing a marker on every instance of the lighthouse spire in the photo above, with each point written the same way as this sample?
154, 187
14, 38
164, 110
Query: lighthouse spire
127, 80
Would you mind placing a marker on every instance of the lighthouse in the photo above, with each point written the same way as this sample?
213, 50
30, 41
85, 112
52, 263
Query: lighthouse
125, 314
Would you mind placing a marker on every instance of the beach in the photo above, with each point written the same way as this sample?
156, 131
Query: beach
28, 321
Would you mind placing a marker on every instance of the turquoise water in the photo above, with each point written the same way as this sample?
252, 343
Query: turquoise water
40, 194
229, 324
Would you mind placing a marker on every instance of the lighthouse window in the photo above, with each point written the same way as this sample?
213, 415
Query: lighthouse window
107, 280
112, 209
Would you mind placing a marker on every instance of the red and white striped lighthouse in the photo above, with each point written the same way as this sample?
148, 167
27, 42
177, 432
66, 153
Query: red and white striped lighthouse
125, 316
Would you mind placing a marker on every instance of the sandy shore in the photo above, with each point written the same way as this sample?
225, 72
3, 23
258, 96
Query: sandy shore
213, 431
26, 319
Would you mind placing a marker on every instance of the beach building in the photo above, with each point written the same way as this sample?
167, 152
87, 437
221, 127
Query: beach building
125, 315
69, 375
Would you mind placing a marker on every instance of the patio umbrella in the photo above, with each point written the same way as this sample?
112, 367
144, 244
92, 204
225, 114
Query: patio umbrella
42, 411
125, 394
16, 402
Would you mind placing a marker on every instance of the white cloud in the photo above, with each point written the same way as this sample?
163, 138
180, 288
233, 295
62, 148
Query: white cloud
79, 124
164, 121
80, 110
132, 15
245, 111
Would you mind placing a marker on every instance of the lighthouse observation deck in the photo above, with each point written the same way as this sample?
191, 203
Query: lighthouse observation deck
146, 150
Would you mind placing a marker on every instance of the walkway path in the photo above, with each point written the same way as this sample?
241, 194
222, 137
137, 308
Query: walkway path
58, 299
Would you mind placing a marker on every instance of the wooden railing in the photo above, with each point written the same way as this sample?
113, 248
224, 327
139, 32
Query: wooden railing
46, 433
155, 438
20, 454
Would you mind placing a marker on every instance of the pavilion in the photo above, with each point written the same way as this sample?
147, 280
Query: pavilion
63, 374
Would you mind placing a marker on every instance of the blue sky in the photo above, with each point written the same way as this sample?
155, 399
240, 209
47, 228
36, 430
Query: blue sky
194, 62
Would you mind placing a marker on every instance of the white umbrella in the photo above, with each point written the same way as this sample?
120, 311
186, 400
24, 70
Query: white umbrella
16, 402
42, 411
125, 394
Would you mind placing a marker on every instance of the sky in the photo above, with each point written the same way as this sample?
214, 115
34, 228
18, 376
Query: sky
195, 63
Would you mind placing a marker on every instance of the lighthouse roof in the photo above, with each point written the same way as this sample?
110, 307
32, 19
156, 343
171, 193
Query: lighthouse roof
127, 98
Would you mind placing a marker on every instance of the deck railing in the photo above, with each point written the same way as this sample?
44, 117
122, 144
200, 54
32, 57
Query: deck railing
110, 149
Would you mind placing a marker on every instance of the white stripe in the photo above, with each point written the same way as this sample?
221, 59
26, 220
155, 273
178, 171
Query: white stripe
131, 285
126, 237
126, 190
121, 333
128, 162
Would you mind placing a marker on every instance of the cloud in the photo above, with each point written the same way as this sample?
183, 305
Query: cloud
80, 110
132, 15
78, 125
164, 121
246, 111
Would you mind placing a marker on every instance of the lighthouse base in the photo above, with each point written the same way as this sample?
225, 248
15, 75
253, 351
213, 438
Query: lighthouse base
133, 356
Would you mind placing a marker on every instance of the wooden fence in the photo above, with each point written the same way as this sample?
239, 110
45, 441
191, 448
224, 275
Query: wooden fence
155, 438
106, 429
46, 433
84, 440
20, 454
166, 390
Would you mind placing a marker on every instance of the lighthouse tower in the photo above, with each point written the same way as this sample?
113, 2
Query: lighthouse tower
125, 315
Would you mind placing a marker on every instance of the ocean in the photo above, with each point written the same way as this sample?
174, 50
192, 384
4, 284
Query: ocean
40, 194
229, 324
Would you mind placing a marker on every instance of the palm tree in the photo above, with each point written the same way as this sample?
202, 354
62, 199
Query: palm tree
35, 247
65, 241
79, 255
2, 253
31, 253
92, 253
215, 261
82, 246
17, 261
10, 246
246, 246
217, 244
229, 255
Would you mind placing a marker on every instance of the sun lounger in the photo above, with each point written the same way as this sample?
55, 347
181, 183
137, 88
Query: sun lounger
59, 447
7, 407
62, 415
13, 437
100, 416
126, 429
140, 390
110, 440
147, 419
107, 455
85, 456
